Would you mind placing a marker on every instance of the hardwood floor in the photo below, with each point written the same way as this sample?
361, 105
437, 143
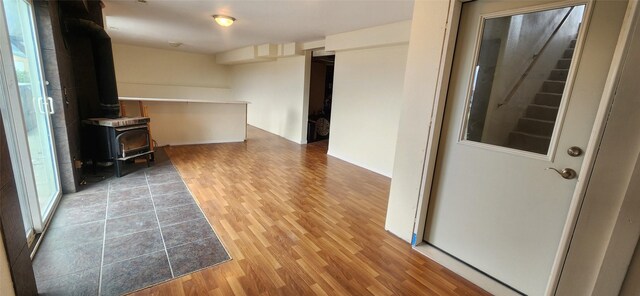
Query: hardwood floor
298, 222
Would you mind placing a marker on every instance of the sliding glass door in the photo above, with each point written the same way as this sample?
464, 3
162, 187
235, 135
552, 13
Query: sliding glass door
32, 110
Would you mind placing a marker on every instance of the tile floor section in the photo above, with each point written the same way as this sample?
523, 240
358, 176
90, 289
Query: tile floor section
124, 234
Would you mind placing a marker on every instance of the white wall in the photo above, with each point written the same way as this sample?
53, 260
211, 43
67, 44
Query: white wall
276, 93
151, 72
144, 72
368, 85
420, 87
384, 35
367, 93
631, 284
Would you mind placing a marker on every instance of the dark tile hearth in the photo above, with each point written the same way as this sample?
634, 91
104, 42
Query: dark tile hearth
132, 245
73, 235
127, 183
124, 234
196, 255
129, 207
136, 273
130, 193
76, 284
186, 232
51, 263
171, 200
167, 188
130, 224
170, 216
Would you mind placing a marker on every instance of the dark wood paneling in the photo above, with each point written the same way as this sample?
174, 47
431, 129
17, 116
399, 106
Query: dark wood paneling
6, 174
13, 233
11, 217
24, 280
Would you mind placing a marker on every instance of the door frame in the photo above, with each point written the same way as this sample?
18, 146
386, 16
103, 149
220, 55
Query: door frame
591, 151
11, 112
16, 130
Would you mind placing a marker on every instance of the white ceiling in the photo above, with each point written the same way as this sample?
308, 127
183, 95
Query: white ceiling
158, 22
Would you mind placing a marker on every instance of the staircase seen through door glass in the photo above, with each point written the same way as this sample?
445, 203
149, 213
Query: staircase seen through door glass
520, 77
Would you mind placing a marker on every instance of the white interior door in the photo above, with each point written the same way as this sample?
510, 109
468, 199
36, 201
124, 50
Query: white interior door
526, 83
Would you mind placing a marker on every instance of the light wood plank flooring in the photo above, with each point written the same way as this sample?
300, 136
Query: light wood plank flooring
299, 222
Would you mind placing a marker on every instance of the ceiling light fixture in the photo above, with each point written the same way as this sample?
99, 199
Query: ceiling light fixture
223, 20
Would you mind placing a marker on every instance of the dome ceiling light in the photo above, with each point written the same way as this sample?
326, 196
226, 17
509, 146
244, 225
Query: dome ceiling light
223, 20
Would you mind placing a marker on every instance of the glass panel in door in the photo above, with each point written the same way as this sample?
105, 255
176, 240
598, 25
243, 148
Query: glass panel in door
36, 107
519, 79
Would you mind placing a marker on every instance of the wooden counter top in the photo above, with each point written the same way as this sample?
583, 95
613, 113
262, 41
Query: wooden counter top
181, 100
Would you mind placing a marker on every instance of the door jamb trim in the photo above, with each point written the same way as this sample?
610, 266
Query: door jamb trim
619, 59
437, 116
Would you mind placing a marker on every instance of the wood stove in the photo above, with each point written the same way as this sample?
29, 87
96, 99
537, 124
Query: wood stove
118, 140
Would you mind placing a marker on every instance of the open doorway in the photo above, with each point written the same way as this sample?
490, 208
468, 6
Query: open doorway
320, 93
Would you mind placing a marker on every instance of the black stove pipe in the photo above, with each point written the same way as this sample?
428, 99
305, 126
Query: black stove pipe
103, 61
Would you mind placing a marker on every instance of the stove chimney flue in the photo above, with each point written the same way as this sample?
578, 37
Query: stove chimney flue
103, 61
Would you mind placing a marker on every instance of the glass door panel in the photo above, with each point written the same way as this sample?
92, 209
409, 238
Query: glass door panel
36, 106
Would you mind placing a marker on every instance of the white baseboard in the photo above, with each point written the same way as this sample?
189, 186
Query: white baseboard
478, 278
331, 153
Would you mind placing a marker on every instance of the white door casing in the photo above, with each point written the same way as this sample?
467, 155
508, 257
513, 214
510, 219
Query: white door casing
497, 209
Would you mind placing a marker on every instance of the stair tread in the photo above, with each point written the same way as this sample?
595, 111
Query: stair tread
548, 93
535, 128
532, 135
538, 120
572, 43
544, 106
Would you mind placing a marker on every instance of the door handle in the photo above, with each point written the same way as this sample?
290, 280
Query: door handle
41, 105
50, 105
566, 173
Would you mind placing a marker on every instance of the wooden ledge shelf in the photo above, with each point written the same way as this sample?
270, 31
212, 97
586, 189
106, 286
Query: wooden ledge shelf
181, 100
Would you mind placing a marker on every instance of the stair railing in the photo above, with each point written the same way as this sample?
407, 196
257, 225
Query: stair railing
535, 58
